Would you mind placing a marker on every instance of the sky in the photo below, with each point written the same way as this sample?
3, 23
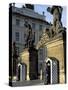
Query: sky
40, 8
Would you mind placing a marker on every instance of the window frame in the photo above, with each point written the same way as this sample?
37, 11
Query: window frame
17, 22
17, 36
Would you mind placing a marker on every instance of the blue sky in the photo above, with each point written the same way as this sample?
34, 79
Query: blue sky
40, 8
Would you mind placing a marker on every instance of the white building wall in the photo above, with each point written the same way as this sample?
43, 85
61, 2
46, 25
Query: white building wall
22, 30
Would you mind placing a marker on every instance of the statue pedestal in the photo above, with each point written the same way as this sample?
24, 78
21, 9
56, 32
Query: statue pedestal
33, 63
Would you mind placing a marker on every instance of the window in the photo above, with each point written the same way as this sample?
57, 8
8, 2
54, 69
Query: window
17, 36
41, 54
33, 25
40, 27
17, 22
41, 51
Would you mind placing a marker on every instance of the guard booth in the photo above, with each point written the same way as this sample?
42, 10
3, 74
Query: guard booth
22, 72
51, 73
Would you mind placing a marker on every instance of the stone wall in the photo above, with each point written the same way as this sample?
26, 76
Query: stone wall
55, 49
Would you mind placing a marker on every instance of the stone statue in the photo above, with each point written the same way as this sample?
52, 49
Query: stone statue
56, 11
30, 39
33, 54
15, 59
